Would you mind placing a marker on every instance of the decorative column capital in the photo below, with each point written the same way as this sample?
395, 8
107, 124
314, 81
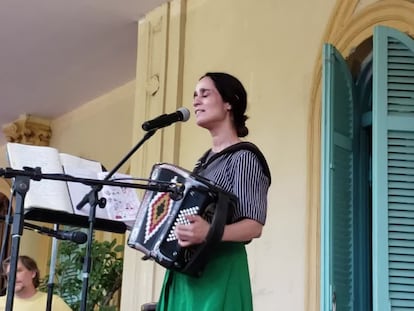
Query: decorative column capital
28, 129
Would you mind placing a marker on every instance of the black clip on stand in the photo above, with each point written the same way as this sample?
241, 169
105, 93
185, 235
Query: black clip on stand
92, 199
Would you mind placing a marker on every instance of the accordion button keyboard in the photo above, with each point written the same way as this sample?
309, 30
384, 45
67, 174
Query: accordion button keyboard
181, 220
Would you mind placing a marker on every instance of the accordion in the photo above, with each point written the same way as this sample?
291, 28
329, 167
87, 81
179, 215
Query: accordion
160, 212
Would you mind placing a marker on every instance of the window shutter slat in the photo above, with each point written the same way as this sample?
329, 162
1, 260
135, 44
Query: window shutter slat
337, 183
393, 170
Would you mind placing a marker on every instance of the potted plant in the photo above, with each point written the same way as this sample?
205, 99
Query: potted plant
105, 276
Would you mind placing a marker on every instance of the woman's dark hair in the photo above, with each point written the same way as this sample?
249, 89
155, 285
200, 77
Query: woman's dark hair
4, 204
232, 91
29, 264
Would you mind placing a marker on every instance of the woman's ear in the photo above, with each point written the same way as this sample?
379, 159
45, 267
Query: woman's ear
228, 106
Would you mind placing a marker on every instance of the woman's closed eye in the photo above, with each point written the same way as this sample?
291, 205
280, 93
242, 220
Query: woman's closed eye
202, 93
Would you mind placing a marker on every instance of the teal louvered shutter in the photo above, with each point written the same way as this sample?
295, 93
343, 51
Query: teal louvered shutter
393, 170
337, 183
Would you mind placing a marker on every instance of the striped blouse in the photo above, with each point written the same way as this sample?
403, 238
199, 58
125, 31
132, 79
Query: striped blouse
242, 172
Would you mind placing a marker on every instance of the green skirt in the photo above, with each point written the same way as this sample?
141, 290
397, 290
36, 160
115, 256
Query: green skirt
223, 286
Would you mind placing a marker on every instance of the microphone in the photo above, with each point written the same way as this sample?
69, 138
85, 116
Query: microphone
182, 114
73, 236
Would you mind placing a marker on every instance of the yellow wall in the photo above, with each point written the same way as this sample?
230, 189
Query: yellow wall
271, 46
3, 158
100, 130
275, 49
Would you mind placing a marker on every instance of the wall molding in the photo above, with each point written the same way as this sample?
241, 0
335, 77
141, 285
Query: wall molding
28, 129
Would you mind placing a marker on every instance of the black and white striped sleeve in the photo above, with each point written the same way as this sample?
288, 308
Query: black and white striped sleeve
250, 185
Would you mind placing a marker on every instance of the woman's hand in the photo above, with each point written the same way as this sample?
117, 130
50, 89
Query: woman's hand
193, 233
196, 232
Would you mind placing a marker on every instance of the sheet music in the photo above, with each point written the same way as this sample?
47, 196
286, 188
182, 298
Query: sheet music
81, 168
46, 193
122, 202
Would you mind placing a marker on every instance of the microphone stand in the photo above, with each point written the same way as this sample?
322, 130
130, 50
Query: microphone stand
52, 267
92, 199
6, 232
21, 186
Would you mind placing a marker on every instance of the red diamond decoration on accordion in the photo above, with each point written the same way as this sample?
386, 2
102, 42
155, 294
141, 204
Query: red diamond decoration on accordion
159, 208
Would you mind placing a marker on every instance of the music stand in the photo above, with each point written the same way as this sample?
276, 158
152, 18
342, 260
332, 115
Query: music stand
21, 186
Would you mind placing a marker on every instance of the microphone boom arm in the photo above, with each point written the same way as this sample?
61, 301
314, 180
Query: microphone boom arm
35, 174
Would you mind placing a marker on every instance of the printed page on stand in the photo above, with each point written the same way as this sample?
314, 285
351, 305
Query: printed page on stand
46, 193
81, 168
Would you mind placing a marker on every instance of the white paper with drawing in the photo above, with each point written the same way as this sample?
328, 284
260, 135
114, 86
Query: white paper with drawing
122, 203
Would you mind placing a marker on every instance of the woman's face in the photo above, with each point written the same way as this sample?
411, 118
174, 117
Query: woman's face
24, 278
209, 108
